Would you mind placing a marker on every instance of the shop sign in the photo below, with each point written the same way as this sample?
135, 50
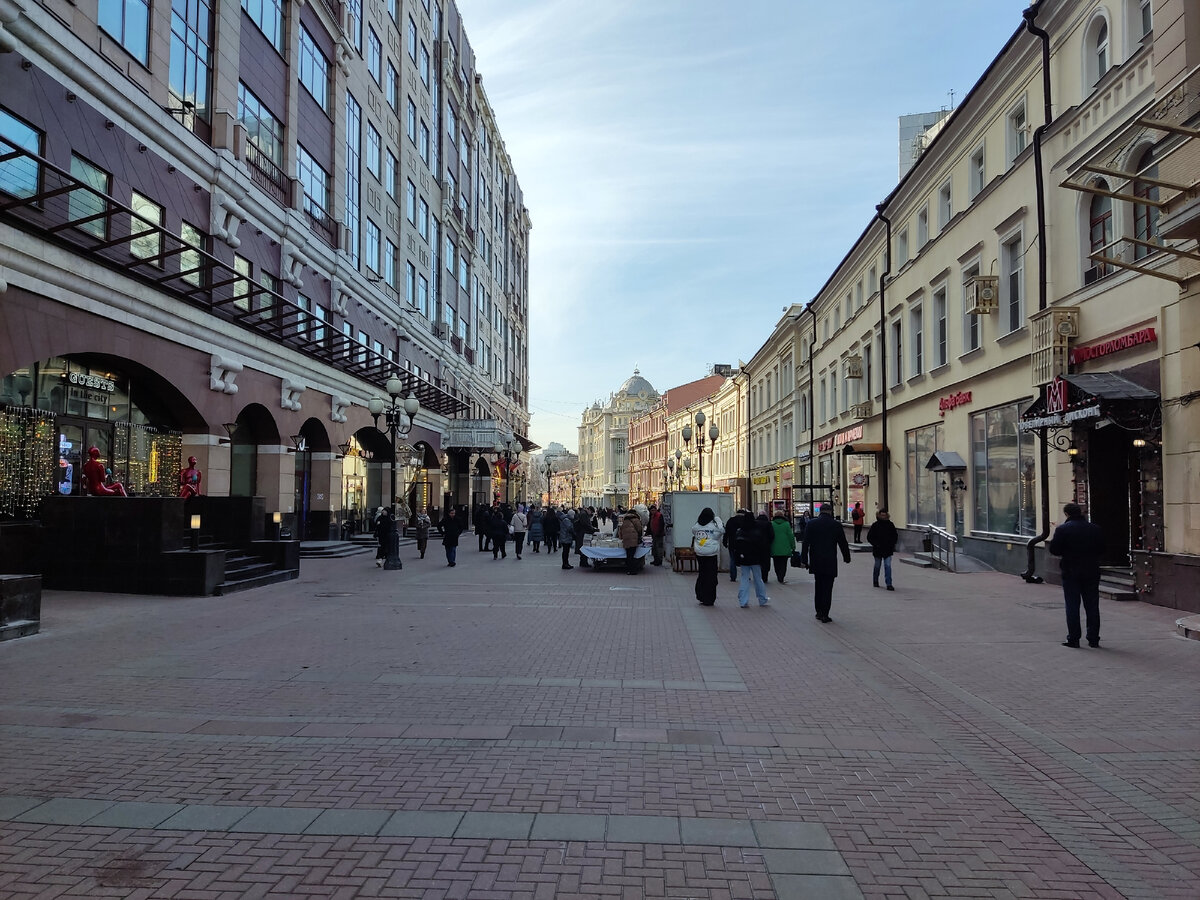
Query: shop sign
1121, 342
953, 401
785, 474
842, 437
761, 479
1061, 418
92, 381
858, 479
83, 395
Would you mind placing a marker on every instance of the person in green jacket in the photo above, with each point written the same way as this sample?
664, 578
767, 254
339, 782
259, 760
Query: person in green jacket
783, 545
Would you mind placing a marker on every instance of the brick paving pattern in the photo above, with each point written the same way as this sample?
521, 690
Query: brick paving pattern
508, 729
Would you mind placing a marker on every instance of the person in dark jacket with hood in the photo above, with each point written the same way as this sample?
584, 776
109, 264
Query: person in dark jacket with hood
750, 549
452, 527
1080, 544
783, 544
566, 535
585, 524
822, 539
550, 526
883, 538
498, 532
483, 521
385, 527
537, 531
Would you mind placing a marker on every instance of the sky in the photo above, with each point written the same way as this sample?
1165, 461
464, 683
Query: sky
693, 167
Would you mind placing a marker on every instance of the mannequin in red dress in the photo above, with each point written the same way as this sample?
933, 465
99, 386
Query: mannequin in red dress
189, 480
94, 475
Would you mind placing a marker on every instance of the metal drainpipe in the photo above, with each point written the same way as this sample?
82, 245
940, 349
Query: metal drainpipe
886, 467
1048, 115
812, 409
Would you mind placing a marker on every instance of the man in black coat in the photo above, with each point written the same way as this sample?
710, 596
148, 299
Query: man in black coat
452, 527
1080, 544
822, 538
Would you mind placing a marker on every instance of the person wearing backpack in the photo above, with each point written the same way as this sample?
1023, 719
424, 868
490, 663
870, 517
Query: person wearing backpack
750, 547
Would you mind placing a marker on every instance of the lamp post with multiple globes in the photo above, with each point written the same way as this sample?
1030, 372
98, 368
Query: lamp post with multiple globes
713, 434
398, 421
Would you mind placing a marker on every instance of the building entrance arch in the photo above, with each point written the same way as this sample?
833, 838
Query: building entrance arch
254, 427
312, 481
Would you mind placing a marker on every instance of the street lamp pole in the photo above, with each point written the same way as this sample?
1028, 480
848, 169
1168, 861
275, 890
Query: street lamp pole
398, 421
713, 434
549, 470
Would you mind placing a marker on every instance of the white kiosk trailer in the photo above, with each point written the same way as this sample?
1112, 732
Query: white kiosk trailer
680, 510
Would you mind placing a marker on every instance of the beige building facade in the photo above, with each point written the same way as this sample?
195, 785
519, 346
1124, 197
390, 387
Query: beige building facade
604, 443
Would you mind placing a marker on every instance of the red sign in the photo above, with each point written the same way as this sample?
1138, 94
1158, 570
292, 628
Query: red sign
1056, 396
1122, 342
842, 437
953, 401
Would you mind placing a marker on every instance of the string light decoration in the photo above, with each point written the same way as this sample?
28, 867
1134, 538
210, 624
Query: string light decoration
27, 460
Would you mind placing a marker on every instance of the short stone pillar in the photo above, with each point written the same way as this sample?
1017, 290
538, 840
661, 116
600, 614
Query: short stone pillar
20, 605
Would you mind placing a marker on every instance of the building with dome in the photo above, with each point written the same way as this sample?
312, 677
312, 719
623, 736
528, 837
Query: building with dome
604, 442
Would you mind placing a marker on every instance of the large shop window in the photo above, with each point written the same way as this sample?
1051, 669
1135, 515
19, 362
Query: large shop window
1002, 460
924, 490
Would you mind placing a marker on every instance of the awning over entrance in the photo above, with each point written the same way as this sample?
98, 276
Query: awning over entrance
861, 449
1089, 397
944, 460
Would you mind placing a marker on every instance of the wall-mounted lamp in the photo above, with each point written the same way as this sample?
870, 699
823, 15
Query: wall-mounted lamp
1139, 443
955, 484
299, 445
230, 428
195, 523
345, 448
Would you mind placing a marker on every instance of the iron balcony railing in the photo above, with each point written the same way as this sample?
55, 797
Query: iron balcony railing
267, 175
42, 199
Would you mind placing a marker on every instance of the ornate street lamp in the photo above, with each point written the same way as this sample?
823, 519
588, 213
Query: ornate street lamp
713, 434
505, 449
549, 472
398, 421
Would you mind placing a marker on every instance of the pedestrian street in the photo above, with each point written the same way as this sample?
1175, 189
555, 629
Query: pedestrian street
511, 729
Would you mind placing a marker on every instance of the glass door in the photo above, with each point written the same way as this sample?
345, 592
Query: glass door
75, 437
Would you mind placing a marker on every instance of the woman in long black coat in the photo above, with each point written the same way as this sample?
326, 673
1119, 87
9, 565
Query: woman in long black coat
550, 527
384, 529
498, 532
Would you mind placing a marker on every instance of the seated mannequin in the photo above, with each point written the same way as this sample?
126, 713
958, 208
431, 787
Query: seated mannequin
189, 480
94, 475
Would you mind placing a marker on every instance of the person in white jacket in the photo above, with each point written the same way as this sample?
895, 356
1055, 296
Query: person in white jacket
517, 527
706, 541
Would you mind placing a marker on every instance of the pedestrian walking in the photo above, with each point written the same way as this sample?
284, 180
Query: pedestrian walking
566, 534
750, 546
658, 531
384, 529
857, 518
584, 524
452, 526
518, 525
537, 531
764, 527
630, 532
499, 531
783, 545
822, 539
731, 528
882, 537
421, 526
550, 527
706, 542
1080, 545
483, 521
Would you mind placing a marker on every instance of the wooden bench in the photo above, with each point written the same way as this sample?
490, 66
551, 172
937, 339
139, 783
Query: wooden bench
685, 556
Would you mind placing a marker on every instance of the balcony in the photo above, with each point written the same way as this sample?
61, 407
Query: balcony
320, 222
183, 271
268, 176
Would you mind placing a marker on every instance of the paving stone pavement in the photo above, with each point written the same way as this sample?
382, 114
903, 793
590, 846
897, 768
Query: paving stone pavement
508, 729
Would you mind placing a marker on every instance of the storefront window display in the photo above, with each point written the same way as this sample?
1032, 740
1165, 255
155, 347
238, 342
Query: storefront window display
54, 411
1002, 462
924, 492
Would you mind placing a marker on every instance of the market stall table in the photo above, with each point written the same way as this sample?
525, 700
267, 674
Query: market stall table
603, 557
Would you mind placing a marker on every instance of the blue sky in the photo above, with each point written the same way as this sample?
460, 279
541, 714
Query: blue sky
692, 167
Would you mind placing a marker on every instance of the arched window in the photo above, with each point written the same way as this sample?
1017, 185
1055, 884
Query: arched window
1145, 215
1097, 52
1100, 230
1101, 50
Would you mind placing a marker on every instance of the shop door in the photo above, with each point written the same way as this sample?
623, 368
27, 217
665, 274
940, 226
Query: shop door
1108, 468
75, 437
302, 493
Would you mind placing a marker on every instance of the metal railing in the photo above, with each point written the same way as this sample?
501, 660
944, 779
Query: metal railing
942, 547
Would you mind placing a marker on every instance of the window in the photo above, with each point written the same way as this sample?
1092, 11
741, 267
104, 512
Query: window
389, 264
241, 289
978, 173
372, 246
1146, 17
1100, 49
191, 56
922, 228
145, 229
916, 336
353, 151
867, 373
411, 121
902, 247
924, 490
315, 181
423, 218
389, 175
462, 272
191, 262
410, 202
1145, 215
373, 147
824, 404
374, 56
897, 354
941, 349
83, 204
1013, 266
423, 142
970, 323
1003, 473
267, 15
314, 69
451, 255
354, 26
393, 88
424, 65
837, 317
412, 39
945, 205
423, 294
264, 132
410, 283
1100, 232
19, 177
129, 22
1018, 132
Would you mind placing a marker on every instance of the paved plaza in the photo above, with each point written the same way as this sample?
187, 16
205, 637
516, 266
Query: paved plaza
510, 729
